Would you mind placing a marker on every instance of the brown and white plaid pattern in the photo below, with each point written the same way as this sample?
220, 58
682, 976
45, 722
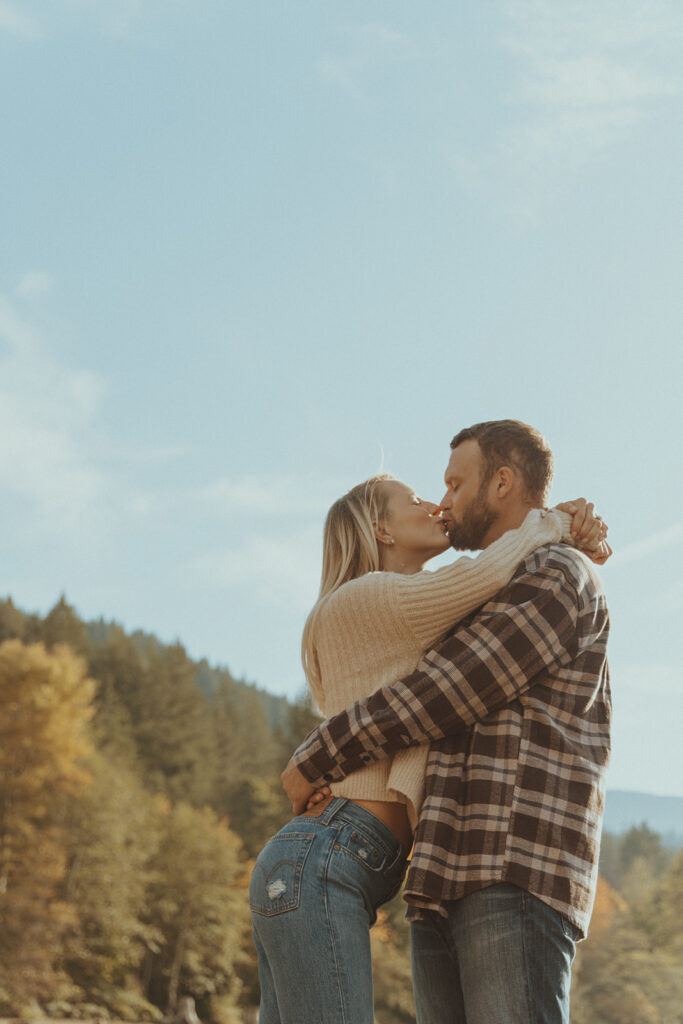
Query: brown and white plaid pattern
516, 705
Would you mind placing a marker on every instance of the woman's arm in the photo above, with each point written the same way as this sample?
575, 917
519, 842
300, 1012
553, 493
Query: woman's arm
433, 602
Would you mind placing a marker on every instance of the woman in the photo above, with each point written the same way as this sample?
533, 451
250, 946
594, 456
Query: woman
318, 883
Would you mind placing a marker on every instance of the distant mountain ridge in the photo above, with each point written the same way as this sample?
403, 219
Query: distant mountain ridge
625, 809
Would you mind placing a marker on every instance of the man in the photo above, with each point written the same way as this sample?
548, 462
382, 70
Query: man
515, 703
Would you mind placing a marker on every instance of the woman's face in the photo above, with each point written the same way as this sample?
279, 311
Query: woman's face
415, 526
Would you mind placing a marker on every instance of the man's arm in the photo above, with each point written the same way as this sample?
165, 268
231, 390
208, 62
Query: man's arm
528, 628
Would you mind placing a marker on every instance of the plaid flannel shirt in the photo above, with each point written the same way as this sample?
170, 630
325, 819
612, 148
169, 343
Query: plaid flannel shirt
515, 703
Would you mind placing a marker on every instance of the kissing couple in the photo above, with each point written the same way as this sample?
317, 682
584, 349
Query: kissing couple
465, 747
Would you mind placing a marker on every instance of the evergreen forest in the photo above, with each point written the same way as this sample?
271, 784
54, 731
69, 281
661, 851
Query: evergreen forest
136, 788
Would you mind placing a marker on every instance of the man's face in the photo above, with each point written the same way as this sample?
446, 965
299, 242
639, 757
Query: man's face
465, 506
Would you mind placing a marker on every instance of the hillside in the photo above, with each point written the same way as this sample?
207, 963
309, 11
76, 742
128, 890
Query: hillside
663, 814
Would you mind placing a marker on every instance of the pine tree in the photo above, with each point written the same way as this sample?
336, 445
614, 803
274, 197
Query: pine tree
13, 622
118, 666
63, 626
246, 787
173, 731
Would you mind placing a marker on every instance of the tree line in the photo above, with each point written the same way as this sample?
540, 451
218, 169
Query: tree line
136, 788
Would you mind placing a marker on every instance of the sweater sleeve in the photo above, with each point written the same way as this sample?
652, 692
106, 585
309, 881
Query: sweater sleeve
479, 669
433, 602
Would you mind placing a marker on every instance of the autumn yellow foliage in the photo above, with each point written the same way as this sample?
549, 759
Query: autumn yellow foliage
46, 700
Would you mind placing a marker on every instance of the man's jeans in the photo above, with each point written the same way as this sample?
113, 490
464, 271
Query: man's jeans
314, 895
501, 957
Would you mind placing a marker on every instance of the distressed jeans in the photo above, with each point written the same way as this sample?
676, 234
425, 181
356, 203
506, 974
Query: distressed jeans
314, 894
501, 957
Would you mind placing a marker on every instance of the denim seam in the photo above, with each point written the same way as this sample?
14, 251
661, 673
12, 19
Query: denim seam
527, 979
330, 930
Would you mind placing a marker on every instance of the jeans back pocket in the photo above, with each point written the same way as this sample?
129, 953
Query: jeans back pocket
365, 849
275, 885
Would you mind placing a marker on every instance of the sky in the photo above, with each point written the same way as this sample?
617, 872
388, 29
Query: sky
255, 252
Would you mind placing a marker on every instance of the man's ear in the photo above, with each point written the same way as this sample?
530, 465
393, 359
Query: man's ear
503, 483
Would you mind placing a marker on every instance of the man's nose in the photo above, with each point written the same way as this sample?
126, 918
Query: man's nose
445, 501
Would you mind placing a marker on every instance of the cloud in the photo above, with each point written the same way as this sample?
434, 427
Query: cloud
585, 76
587, 82
120, 17
604, 23
277, 568
663, 539
155, 454
117, 16
35, 283
18, 23
278, 522
362, 49
268, 495
43, 410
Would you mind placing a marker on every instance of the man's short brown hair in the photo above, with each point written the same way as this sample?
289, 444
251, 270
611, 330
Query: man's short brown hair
515, 444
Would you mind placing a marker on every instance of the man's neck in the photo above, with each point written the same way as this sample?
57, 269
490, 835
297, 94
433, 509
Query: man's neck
511, 519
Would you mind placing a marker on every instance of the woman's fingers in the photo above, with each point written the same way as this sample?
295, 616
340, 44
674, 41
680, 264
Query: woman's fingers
584, 528
583, 513
318, 795
591, 534
588, 529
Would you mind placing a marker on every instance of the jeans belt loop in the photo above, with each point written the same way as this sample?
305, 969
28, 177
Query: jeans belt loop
332, 809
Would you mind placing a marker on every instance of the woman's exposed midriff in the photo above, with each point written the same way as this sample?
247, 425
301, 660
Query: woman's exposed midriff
389, 812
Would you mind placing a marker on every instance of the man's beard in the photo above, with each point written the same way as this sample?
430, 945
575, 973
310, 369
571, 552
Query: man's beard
477, 519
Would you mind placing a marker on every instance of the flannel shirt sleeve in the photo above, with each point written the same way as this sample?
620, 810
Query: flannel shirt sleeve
528, 628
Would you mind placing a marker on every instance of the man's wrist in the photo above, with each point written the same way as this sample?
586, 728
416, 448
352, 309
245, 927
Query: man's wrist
316, 765
306, 770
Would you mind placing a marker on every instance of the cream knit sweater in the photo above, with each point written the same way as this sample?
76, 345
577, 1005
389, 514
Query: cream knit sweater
373, 630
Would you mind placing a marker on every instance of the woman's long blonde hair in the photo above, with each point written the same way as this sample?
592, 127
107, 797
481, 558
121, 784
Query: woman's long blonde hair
350, 550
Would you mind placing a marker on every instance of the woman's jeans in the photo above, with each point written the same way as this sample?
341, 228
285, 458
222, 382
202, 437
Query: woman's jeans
502, 956
314, 895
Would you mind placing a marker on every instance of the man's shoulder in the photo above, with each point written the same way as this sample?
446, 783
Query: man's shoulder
565, 560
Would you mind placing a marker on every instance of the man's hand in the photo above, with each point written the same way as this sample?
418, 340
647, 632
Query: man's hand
297, 787
600, 554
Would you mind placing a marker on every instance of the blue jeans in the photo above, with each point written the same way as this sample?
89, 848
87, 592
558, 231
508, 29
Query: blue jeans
314, 894
501, 957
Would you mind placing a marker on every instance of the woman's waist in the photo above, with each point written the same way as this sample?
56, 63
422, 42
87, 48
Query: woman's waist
390, 813
386, 819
